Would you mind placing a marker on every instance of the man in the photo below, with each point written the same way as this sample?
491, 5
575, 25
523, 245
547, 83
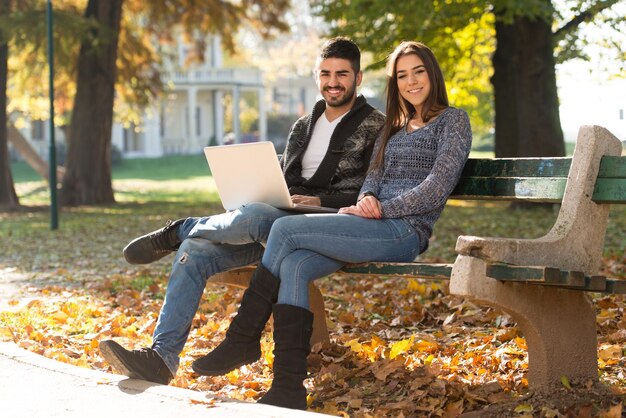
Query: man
324, 163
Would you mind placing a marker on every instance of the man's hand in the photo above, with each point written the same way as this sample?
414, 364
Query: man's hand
368, 207
306, 200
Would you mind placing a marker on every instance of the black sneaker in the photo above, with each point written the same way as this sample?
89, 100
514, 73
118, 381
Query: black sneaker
155, 245
145, 363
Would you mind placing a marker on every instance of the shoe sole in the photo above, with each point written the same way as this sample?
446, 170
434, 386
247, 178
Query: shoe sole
111, 354
221, 372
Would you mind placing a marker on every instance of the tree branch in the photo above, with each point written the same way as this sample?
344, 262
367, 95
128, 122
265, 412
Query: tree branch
584, 16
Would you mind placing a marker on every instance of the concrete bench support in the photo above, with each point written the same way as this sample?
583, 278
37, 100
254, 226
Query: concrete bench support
576, 240
559, 324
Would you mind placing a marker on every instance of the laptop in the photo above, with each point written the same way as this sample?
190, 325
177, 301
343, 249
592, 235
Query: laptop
246, 173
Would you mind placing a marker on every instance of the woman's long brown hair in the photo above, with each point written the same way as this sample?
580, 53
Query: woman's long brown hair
399, 110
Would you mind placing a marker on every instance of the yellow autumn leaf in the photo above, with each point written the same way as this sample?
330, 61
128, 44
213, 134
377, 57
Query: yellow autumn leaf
425, 346
523, 408
608, 352
400, 347
377, 342
233, 377
521, 343
414, 286
354, 345
565, 382
59, 316
268, 356
5, 332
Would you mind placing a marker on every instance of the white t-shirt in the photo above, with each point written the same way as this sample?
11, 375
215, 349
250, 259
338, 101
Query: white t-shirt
320, 138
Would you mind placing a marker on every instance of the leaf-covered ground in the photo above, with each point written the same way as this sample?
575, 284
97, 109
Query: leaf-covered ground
399, 347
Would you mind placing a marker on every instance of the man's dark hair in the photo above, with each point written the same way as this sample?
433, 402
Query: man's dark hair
342, 47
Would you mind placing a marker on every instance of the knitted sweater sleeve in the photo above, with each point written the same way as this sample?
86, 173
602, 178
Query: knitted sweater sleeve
454, 144
374, 175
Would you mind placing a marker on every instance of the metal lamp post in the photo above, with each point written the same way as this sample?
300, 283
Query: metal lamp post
52, 159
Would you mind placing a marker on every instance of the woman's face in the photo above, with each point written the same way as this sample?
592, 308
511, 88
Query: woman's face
413, 81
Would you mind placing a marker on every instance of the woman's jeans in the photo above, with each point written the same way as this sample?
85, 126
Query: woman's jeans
210, 245
305, 247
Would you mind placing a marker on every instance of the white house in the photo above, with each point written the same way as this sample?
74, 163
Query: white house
192, 113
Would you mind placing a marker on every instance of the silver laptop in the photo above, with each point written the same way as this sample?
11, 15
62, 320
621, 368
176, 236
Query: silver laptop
246, 173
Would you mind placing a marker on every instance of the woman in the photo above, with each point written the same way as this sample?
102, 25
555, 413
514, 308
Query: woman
416, 164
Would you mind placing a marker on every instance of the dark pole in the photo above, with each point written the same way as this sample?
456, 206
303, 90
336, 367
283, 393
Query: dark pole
54, 213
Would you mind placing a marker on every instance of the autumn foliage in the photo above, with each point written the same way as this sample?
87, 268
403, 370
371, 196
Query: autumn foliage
399, 347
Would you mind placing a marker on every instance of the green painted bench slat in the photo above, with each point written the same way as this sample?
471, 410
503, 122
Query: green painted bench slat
615, 286
610, 190
500, 188
612, 167
536, 179
417, 270
548, 276
607, 190
517, 167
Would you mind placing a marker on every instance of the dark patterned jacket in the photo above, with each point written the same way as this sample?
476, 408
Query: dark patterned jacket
341, 173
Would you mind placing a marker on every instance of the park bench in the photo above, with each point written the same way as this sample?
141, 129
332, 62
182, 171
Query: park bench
542, 283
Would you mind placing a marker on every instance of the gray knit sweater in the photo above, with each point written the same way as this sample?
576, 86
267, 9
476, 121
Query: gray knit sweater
421, 169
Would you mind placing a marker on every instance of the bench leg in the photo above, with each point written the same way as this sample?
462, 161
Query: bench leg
559, 324
241, 278
316, 303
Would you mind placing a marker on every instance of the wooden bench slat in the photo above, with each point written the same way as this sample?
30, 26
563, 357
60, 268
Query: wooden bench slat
517, 167
615, 286
612, 167
545, 189
548, 276
610, 190
417, 270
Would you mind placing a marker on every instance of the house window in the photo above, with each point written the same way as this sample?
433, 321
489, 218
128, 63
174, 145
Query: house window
36, 130
132, 141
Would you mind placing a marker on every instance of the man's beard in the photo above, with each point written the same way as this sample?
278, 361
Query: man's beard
343, 100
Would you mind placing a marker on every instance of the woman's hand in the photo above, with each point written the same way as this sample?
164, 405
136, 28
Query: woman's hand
368, 207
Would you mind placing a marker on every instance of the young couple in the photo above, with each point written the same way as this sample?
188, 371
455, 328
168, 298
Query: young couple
386, 213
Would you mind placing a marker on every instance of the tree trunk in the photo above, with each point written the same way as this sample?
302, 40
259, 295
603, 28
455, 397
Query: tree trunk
527, 110
87, 178
8, 197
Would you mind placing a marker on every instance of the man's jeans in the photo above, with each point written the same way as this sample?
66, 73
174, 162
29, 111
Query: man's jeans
306, 247
210, 245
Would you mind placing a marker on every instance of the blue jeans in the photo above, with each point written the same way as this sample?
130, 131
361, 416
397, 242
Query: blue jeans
306, 247
210, 245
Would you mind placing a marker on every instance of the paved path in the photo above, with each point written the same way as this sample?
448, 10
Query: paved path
32, 386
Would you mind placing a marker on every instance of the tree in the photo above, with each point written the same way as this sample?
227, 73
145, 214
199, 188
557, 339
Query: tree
8, 197
525, 39
87, 177
23, 31
88, 172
